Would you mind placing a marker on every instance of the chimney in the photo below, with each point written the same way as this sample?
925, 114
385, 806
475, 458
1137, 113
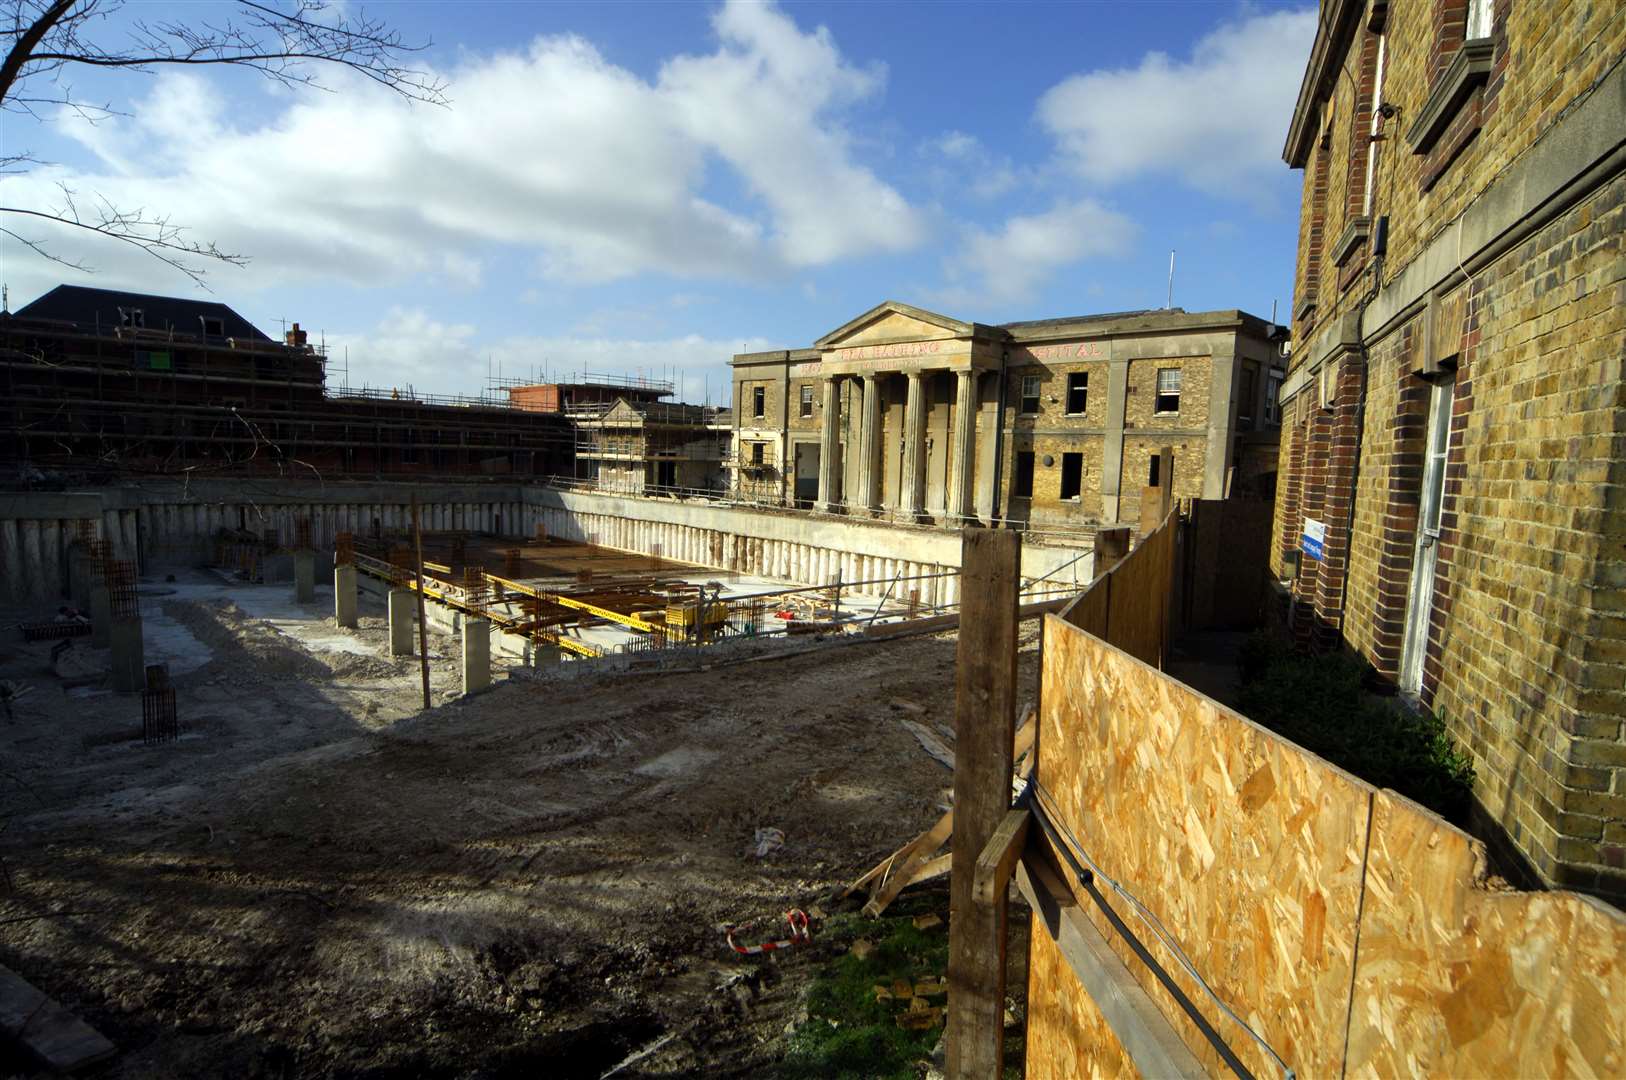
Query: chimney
296, 337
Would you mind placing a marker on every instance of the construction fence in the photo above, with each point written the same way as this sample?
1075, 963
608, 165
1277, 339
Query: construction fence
1246, 908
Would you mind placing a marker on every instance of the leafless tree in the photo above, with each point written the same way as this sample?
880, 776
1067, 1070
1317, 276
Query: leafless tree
287, 41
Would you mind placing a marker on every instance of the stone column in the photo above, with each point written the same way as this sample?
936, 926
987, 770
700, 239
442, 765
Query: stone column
476, 654
829, 444
960, 493
913, 502
344, 596
401, 602
869, 446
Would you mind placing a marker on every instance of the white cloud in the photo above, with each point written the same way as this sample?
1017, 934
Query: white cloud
1015, 260
411, 348
1215, 120
959, 163
593, 172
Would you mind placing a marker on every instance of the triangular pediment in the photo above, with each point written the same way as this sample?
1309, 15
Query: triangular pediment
891, 321
622, 412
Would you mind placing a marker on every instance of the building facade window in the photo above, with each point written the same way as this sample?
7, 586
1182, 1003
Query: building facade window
1030, 394
756, 453
1273, 398
1168, 391
133, 318
1022, 482
759, 402
1078, 392
807, 400
1479, 20
1072, 476
1245, 398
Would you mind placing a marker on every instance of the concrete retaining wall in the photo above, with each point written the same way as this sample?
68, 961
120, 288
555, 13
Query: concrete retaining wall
168, 524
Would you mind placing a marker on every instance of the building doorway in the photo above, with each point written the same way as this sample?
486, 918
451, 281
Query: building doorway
807, 474
1426, 549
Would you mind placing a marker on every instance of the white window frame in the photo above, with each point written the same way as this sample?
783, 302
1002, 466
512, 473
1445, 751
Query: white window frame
1158, 392
759, 402
805, 405
1478, 26
1038, 389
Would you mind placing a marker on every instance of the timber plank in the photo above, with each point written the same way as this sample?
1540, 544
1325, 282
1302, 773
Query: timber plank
984, 737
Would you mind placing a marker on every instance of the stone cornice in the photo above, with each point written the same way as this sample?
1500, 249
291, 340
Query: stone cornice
1354, 234
1470, 67
1340, 19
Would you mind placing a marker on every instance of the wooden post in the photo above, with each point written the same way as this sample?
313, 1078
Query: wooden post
984, 715
423, 623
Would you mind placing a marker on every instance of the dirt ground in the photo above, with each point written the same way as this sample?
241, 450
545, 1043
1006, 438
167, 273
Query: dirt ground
320, 879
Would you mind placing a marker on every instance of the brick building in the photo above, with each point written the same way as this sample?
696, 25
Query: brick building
97, 382
634, 446
913, 415
1450, 503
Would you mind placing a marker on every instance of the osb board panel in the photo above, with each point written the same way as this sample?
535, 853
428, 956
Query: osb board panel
1246, 848
1068, 1038
1456, 980
1138, 600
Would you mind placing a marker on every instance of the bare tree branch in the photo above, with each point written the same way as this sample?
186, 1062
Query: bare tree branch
284, 40
155, 235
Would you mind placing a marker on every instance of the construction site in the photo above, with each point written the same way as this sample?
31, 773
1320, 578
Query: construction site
479, 769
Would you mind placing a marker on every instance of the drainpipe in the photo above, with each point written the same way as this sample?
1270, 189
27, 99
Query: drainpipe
999, 436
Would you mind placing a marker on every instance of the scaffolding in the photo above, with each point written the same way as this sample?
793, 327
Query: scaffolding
117, 399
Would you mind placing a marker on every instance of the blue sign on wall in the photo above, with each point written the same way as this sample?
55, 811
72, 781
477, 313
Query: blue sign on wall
1313, 542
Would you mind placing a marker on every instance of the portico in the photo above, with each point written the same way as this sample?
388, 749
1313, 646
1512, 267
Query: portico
896, 355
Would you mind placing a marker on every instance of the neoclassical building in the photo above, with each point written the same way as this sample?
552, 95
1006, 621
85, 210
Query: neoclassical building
907, 414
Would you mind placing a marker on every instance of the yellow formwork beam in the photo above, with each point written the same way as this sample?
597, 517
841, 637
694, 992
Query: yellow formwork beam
579, 605
580, 648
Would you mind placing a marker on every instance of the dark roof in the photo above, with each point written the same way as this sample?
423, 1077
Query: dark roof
92, 307
1086, 318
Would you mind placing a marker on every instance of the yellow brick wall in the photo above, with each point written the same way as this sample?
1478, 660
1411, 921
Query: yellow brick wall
1557, 50
1047, 502
1139, 414
1529, 665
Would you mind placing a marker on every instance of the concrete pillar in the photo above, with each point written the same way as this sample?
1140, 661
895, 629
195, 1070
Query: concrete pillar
101, 611
79, 577
401, 602
960, 493
304, 577
1224, 376
869, 446
476, 654
829, 448
913, 503
128, 656
344, 596
1112, 447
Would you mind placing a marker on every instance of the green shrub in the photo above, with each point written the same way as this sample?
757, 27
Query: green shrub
848, 1033
1320, 703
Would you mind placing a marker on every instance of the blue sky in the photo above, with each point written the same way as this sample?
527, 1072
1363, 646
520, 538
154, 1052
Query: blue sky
650, 187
